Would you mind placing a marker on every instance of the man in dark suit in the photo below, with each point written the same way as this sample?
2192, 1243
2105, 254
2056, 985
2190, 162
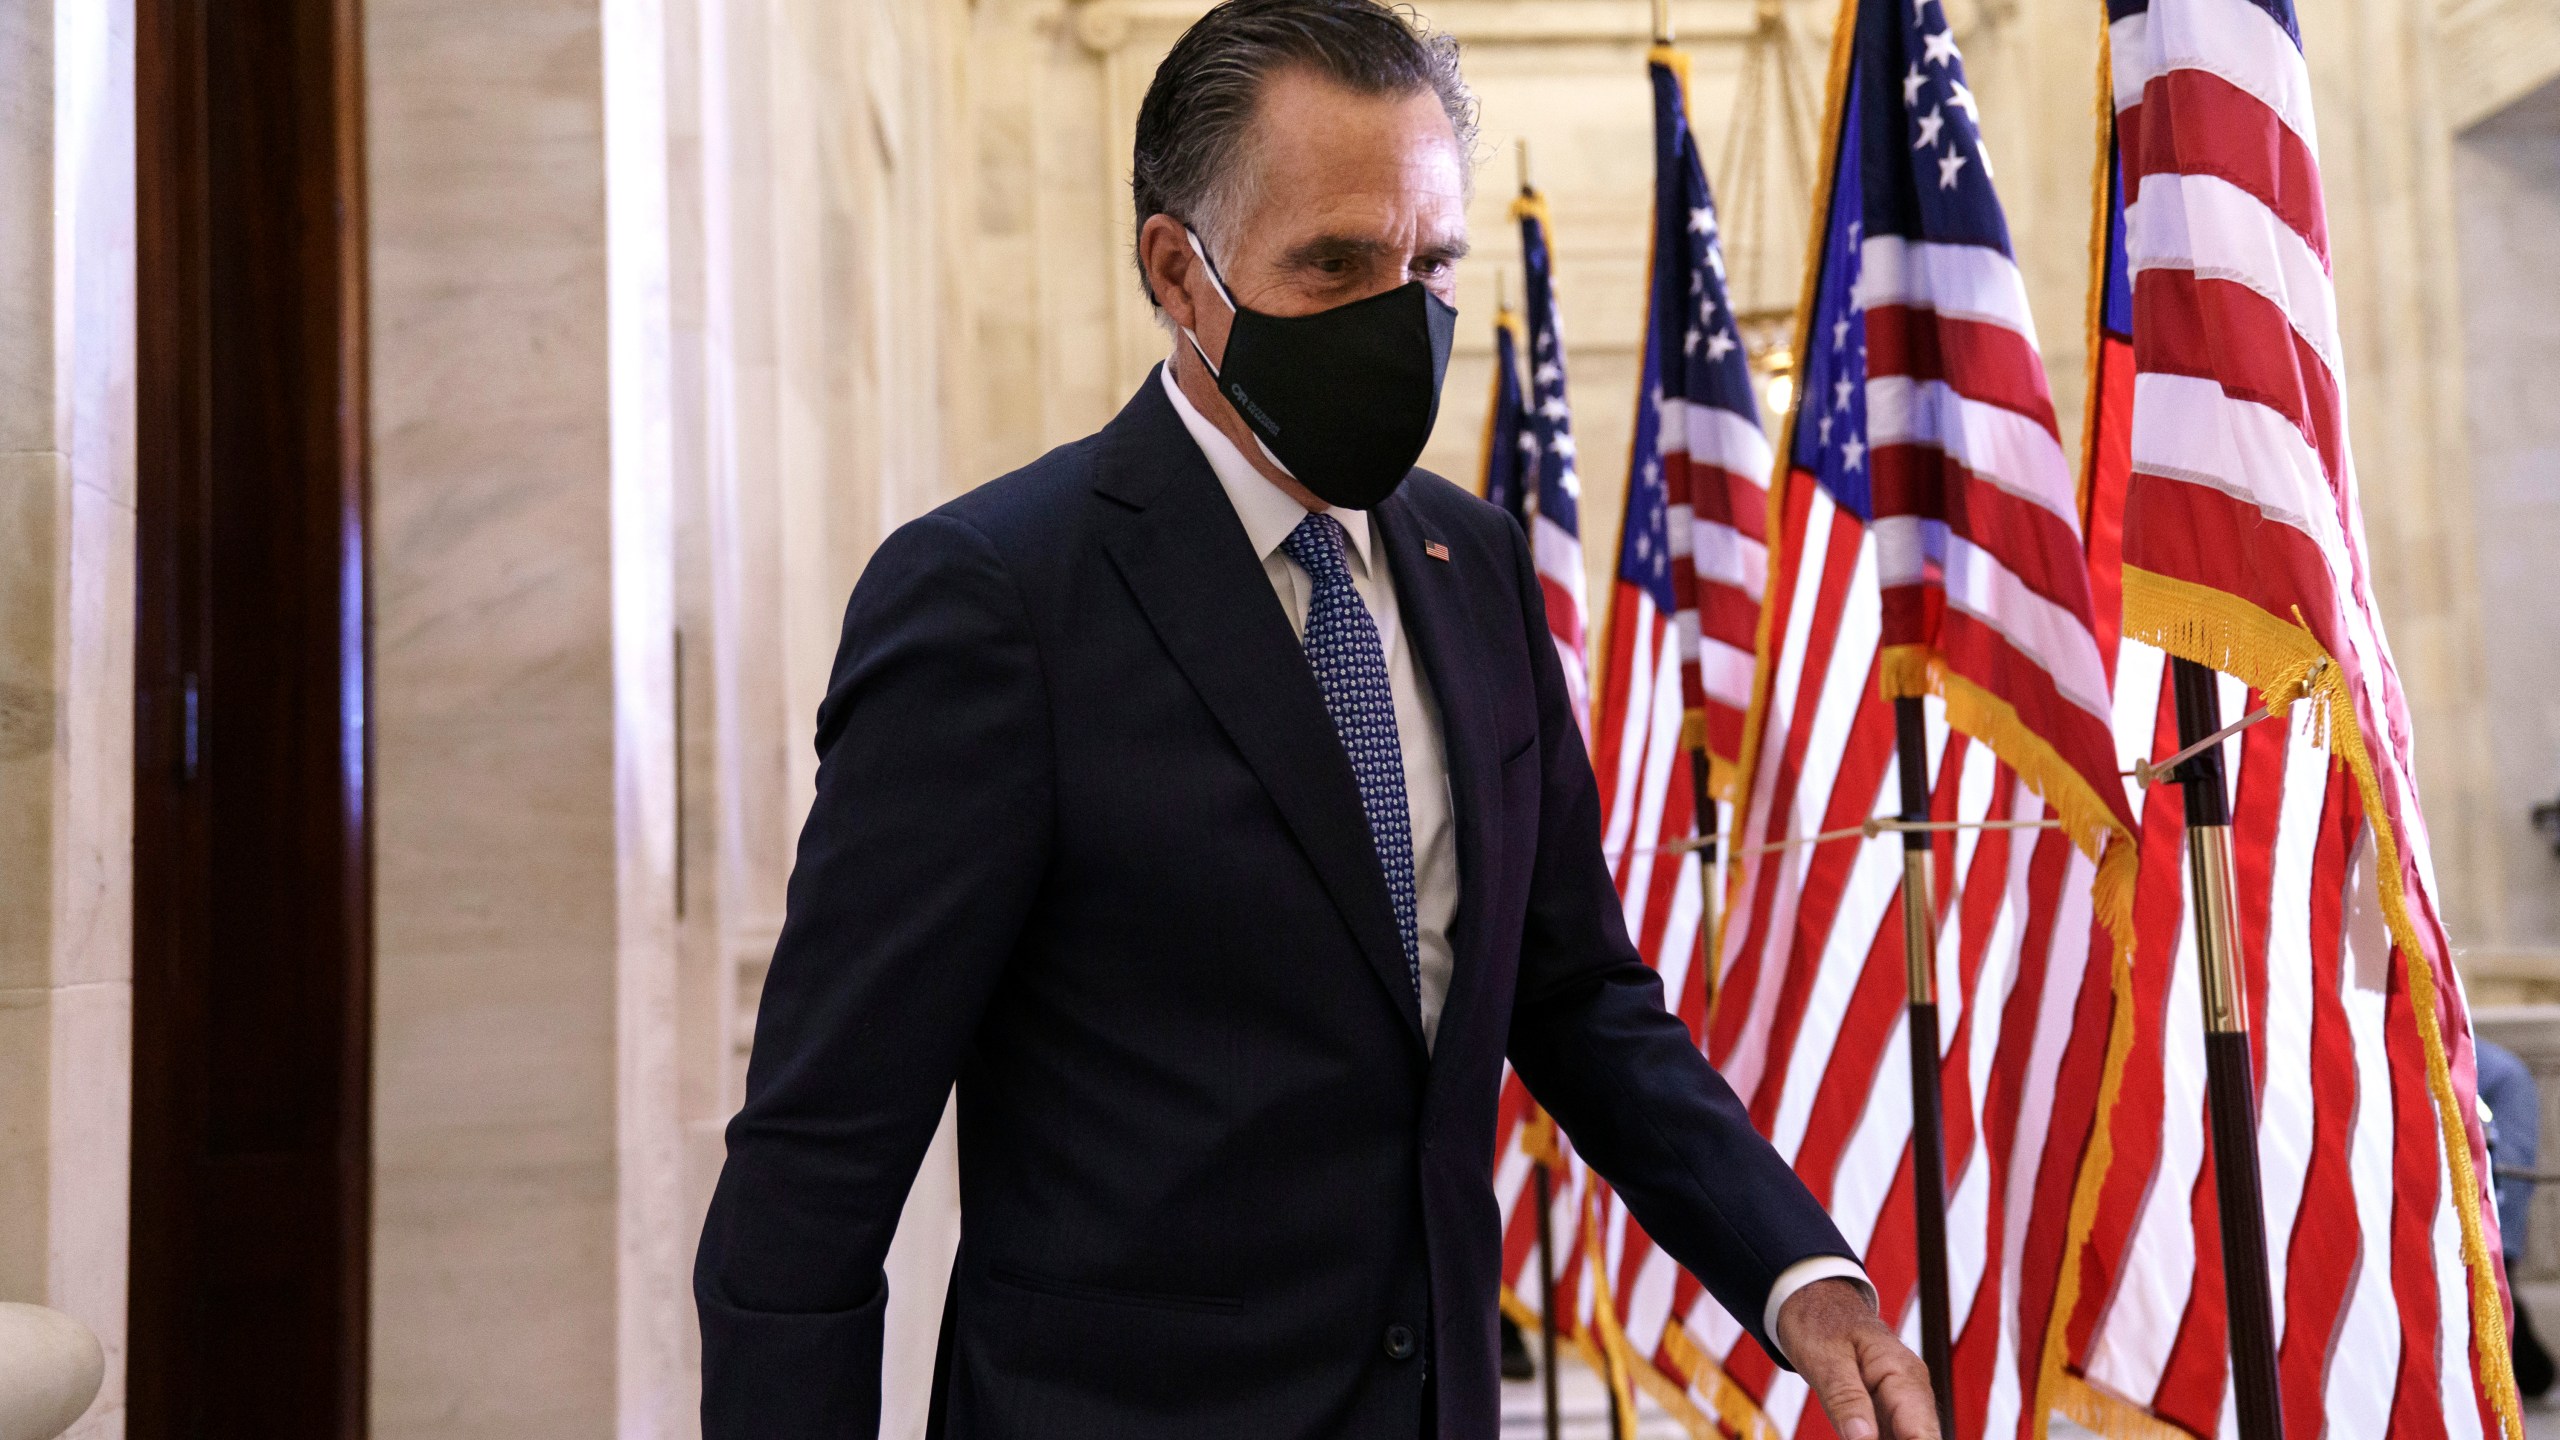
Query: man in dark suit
1204, 800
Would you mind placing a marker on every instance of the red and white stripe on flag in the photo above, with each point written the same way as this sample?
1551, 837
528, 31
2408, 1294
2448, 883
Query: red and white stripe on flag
1808, 1021
2373, 1327
1930, 414
1698, 429
2244, 550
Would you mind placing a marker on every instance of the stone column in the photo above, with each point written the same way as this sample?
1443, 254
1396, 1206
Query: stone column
524, 1145
2506, 199
66, 666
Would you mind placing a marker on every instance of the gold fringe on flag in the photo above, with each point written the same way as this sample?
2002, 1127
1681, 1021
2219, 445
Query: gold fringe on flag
2287, 664
1911, 671
2098, 1153
1735, 1414
1735, 1417
1572, 1343
2105, 1413
1604, 1315
2101, 186
2086, 1191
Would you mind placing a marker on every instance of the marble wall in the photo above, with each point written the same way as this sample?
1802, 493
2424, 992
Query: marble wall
495, 1120
2507, 213
66, 664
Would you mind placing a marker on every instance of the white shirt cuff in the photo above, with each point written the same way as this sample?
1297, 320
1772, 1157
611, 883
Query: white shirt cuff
1802, 1273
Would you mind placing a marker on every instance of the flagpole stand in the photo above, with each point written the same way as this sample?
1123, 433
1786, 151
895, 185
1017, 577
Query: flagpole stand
1928, 1133
1547, 1285
2230, 1067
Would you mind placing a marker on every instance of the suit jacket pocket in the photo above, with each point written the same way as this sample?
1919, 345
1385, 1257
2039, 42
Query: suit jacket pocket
1016, 1279
1512, 752
1041, 1356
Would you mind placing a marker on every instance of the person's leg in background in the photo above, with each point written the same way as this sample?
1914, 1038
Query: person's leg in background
2511, 1106
1516, 1362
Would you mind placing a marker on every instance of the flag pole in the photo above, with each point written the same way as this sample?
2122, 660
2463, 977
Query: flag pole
1547, 1290
2230, 1068
1709, 823
1702, 800
1928, 1123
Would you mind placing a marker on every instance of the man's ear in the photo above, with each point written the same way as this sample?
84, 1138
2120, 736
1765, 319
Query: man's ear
1164, 252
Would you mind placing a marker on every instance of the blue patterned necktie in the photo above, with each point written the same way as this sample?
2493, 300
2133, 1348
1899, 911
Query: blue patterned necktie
1351, 667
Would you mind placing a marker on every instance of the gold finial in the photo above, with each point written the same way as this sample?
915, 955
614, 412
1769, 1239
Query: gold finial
1523, 143
1661, 22
1501, 289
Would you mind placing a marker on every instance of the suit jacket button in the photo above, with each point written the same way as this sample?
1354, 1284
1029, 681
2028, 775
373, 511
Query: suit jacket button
1400, 1342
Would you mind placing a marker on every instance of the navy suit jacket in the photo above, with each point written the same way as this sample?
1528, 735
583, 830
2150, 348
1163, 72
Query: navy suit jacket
1085, 843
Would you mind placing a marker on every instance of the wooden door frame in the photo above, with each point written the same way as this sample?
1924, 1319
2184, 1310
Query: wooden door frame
252, 1109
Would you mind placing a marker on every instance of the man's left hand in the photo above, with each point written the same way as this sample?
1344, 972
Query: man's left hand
1857, 1368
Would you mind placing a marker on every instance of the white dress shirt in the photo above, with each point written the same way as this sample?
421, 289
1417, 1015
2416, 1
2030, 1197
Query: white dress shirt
1269, 517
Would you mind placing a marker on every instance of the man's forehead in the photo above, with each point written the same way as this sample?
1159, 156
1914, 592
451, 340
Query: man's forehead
1343, 195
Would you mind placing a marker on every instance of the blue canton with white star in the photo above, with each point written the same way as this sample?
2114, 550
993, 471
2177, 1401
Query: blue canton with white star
1692, 350
1925, 174
1554, 486
1351, 668
1911, 164
1831, 408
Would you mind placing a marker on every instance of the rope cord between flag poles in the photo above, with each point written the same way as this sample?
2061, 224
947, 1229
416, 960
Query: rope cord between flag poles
1867, 829
2144, 773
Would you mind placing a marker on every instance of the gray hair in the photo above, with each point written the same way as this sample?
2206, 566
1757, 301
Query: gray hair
1189, 158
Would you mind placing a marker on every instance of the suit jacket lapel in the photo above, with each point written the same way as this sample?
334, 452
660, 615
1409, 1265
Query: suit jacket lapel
1184, 555
1431, 599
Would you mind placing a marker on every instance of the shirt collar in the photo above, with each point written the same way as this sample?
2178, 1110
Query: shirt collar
1269, 515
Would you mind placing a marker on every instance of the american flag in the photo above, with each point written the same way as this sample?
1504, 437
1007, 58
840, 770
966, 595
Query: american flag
1692, 567
1683, 546
1640, 750
1925, 479
1699, 423
2243, 549
1690, 539
1529, 470
1535, 472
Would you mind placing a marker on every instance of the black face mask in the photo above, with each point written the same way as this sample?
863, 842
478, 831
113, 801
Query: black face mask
1342, 399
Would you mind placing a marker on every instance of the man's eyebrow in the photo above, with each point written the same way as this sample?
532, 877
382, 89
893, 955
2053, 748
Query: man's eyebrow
1359, 247
1335, 247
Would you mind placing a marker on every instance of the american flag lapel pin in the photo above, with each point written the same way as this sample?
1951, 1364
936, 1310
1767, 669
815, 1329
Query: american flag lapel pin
1435, 550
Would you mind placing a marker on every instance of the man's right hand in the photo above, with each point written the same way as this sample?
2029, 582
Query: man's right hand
1856, 1367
